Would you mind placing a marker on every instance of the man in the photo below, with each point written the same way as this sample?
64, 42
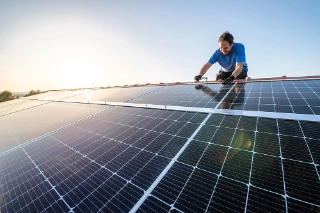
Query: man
232, 59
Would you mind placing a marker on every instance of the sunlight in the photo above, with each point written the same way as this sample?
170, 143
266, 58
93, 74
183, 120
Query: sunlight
77, 67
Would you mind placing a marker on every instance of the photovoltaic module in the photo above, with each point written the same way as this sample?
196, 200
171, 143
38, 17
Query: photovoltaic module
74, 151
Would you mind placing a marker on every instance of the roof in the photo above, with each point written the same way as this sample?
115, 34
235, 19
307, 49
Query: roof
249, 146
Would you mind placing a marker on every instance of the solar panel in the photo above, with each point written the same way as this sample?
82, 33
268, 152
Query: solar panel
19, 106
15, 101
283, 96
239, 179
99, 158
186, 95
114, 94
58, 95
28, 124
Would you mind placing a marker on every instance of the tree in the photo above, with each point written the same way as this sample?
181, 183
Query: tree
32, 92
6, 96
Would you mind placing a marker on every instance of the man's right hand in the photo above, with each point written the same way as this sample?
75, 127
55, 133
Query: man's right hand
197, 78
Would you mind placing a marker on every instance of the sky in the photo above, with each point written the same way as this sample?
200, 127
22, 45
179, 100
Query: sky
70, 44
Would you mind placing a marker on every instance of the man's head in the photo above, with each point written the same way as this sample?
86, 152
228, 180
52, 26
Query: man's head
225, 43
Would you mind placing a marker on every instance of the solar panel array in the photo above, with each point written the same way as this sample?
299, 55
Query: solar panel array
128, 159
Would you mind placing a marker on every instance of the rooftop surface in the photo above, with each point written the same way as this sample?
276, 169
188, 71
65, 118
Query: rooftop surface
245, 147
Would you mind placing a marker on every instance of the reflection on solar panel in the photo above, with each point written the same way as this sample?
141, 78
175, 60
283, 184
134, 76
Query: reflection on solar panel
129, 159
283, 96
62, 94
114, 94
186, 95
28, 124
19, 106
8, 103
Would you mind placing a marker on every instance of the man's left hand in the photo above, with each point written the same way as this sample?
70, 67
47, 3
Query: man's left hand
228, 80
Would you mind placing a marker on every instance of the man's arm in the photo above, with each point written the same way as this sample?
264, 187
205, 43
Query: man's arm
235, 73
204, 69
238, 70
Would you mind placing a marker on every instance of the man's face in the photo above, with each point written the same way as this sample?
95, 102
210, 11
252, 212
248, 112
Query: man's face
225, 47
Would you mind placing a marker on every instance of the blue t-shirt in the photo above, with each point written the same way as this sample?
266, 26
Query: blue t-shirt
228, 62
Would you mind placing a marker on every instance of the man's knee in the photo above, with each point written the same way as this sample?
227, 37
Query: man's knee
242, 75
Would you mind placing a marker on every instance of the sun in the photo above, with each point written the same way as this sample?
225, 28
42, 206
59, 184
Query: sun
76, 67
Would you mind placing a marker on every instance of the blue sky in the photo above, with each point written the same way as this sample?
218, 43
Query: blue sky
71, 44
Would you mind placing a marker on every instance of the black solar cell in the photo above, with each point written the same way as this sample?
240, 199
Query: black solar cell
228, 195
153, 204
264, 201
302, 181
267, 173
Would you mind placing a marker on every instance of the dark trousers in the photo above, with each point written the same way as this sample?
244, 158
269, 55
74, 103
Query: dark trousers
223, 75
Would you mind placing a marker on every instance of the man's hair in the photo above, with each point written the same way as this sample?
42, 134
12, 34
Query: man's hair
226, 36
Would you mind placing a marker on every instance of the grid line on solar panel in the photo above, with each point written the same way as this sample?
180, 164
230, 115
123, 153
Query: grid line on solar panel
50, 133
282, 96
161, 127
290, 152
310, 129
302, 206
191, 173
11, 173
295, 148
144, 94
302, 182
12, 111
310, 153
196, 193
282, 166
268, 131
125, 203
153, 204
242, 139
229, 196
64, 94
137, 143
275, 175
241, 102
236, 98
267, 142
266, 173
223, 95
31, 181
181, 95
295, 94
169, 142
37, 168
168, 167
84, 180
306, 92
264, 201
314, 147
237, 165
251, 163
12, 102
197, 149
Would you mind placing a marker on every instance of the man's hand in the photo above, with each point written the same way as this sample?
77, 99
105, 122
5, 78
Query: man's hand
228, 80
197, 78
